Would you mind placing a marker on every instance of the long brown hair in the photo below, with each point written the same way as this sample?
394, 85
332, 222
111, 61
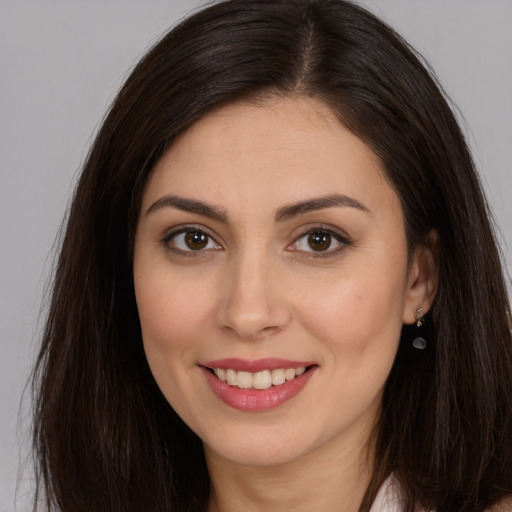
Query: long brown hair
105, 438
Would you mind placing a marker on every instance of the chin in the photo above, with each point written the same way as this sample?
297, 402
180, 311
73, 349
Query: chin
256, 455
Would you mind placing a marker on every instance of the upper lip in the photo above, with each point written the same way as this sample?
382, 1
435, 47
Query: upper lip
255, 365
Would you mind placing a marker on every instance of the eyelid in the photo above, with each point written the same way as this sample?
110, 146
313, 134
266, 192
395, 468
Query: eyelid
338, 234
184, 228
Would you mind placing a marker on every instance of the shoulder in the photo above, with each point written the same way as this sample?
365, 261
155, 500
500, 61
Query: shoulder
388, 499
504, 505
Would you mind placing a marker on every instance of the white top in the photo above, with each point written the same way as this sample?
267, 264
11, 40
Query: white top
388, 497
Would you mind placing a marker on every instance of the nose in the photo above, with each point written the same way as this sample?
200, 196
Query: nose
253, 301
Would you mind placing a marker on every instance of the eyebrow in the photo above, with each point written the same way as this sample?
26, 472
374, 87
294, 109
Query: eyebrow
318, 203
189, 205
282, 214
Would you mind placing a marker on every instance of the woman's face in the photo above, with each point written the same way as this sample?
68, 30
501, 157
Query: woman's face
271, 247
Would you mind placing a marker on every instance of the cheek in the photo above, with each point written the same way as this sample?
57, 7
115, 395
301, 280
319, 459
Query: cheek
173, 317
171, 314
356, 324
356, 312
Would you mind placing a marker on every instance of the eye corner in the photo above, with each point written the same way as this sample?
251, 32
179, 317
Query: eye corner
190, 241
329, 242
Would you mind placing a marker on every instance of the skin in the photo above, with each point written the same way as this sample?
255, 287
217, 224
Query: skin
258, 289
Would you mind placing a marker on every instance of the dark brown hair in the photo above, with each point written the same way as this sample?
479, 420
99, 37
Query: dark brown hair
105, 438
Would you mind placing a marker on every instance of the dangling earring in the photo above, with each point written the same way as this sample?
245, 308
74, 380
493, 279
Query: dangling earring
419, 316
419, 342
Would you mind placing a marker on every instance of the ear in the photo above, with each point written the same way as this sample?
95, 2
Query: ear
422, 278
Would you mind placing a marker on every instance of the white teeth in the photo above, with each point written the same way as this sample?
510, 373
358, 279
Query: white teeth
244, 380
278, 377
231, 377
289, 374
259, 380
262, 380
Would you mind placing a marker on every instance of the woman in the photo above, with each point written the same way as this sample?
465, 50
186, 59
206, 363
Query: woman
279, 286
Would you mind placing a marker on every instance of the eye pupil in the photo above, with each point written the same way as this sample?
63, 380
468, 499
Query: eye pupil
319, 241
196, 240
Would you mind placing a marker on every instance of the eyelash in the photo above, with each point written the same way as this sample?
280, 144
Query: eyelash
336, 235
183, 230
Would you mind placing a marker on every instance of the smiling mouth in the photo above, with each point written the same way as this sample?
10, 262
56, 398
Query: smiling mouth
258, 384
258, 380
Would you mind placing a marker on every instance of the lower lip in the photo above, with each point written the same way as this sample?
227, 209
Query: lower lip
257, 399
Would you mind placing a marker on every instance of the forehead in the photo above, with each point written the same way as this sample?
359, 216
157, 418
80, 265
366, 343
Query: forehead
279, 150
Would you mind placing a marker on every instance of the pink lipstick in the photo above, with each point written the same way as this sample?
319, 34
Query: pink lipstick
257, 385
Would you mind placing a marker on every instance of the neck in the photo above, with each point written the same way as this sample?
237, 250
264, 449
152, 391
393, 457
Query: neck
333, 478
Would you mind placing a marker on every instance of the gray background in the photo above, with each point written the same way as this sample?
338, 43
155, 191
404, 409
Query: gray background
61, 64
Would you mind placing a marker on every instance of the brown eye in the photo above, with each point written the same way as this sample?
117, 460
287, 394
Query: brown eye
319, 241
190, 241
196, 240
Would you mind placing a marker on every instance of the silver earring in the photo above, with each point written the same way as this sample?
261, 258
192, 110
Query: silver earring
419, 342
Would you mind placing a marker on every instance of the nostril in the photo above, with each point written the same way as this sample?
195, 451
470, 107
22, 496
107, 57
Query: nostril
251, 331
